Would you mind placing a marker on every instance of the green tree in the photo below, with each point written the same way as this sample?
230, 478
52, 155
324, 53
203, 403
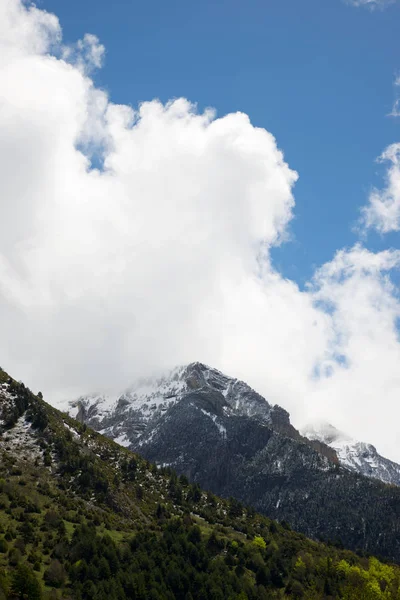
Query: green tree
25, 586
55, 575
259, 542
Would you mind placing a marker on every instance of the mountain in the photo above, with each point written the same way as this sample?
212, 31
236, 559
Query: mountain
131, 417
356, 456
83, 518
220, 433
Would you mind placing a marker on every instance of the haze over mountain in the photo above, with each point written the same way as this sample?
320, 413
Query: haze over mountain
136, 239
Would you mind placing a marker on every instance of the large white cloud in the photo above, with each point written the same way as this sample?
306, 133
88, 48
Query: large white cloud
162, 256
105, 273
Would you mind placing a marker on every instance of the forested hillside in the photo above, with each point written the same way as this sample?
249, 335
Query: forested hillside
84, 519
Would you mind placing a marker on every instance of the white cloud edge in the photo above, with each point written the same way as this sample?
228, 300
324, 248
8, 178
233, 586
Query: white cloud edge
382, 212
151, 262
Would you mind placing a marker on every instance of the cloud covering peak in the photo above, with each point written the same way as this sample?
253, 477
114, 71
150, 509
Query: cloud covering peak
160, 256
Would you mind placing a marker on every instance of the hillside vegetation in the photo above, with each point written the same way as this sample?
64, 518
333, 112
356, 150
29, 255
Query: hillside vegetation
222, 434
85, 519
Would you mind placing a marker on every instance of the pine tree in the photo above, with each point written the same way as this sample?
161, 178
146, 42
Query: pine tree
24, 583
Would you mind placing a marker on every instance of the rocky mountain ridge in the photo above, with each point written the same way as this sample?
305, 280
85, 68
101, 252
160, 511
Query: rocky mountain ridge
224, 436
128, 417
354, 455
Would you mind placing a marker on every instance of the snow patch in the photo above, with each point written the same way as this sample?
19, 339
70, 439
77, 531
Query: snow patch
122, 440
214, 418
75, 434
21, 440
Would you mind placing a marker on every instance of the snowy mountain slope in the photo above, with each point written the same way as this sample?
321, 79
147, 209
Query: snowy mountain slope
19, 439
356, 456
7, 403
221, 434
127, 416
133, 417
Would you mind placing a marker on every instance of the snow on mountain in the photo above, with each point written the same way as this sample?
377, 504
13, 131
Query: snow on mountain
126, 417
356, 456
148, 396
133, 418
7, 400
17, 435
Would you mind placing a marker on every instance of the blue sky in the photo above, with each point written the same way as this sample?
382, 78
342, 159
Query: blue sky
317, 74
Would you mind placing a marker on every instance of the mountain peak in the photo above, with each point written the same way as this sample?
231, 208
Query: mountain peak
146, 400
135, 414
360, 457
324, 432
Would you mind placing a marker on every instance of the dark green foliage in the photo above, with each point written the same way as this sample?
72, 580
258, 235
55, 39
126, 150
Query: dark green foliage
55, 575
14, 557
24, 585
88, 520
194, 493
129, 468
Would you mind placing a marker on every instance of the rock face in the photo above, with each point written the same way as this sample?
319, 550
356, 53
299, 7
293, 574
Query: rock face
356, 456
222, 434
132, 417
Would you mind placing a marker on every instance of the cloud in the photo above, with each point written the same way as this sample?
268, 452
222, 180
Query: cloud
161, 256
361, 381
107, 273
382, 212
371, 4
87, 54
330, 352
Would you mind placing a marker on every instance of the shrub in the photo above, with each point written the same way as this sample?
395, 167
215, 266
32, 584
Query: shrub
55, 575
25, 584
259, 542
